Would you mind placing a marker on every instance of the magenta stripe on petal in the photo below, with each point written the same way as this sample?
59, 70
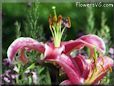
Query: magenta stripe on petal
83, 65
23, 42
94, 40
72, 44
72, 74
90, 41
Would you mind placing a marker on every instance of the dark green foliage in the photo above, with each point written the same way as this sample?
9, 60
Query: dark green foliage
104, 32
90, 21
32, 18
32, 28
43, 75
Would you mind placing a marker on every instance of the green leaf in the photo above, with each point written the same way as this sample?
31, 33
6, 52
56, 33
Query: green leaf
31, 66
43, 75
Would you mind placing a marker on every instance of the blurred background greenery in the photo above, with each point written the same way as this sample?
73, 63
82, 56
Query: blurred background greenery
96, 20
13, 12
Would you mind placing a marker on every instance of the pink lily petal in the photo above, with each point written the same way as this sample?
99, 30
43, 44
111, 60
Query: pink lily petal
51, 52
77, 68
23, 43
71, 45
68, 67
66, 82
83, 65
66, 63
90, 41
93, 41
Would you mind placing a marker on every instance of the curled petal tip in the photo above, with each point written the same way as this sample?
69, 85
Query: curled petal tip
90, 41
93, 40
23, 43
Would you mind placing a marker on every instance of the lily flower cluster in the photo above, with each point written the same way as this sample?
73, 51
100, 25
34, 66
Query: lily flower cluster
79, 69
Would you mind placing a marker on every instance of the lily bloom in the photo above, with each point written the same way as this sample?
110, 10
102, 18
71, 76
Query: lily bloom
80, 70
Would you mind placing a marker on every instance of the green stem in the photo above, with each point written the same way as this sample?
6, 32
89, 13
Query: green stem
19, 68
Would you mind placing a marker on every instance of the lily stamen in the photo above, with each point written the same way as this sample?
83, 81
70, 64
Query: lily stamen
110, 68
56, 28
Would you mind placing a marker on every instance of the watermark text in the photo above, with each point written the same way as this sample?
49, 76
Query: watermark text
97, 4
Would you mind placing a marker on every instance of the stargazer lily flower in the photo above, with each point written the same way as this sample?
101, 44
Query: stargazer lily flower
80, 70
